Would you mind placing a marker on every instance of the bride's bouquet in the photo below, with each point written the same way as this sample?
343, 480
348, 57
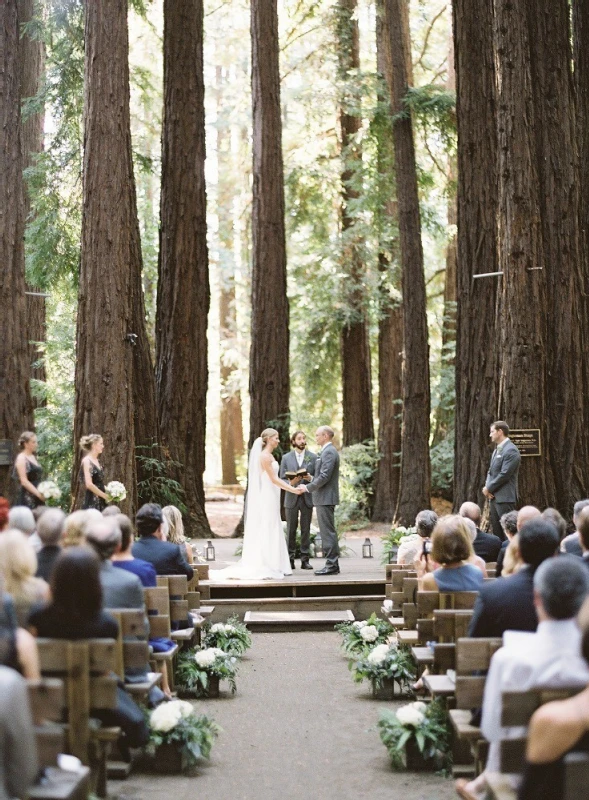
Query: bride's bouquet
115, 492
50, 491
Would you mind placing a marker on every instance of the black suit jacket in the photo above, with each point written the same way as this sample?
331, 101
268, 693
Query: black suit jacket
501, 558
506, 604
486, 545
167, 558
46, 558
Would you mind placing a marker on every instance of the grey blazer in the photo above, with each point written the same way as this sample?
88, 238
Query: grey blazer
502, 474
289, 464
324, 487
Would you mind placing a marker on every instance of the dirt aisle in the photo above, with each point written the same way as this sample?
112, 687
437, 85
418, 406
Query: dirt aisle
298, 729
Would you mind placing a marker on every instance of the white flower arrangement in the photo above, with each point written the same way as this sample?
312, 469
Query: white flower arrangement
413, 714
387, 608
115, 491
50, 491
206, 658
378, 655
369, 633
166, 716
359, 623
232, 636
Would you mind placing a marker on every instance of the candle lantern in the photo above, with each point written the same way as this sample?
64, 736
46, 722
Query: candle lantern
367, 548
319, 547
209, 551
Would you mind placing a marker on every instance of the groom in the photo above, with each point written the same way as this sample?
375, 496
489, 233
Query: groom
324, 489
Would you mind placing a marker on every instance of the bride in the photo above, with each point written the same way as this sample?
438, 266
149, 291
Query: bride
265, 554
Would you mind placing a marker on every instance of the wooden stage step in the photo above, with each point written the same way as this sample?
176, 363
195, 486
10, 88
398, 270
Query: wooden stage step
295, 620
362, 606
334, 585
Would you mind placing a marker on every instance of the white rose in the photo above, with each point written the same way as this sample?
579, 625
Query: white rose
360, 623
165, 717
206, 658
419, 706
218, 652
378, 654
185, 709
230, 629
408, 715
369, 633
218, 627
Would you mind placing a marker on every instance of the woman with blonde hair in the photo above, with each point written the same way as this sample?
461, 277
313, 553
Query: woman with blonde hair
513, 560
265, 554
91, 473
176, 530
18, 565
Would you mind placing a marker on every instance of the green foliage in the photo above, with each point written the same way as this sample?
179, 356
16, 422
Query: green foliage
355, 644
194, 679
233, 637
442, 465
393, 539
194, 734
398, 664
434, 107
358, 464
157, 486
431, 735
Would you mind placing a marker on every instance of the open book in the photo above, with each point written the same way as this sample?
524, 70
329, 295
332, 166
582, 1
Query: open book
300, 473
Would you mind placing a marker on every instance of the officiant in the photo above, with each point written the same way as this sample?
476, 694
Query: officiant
297, 467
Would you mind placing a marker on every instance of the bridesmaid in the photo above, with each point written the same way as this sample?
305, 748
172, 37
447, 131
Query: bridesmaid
28, 472
92, 473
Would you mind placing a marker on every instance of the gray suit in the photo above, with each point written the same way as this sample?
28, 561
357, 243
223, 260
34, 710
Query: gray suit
502, 483
298, 504
324, 490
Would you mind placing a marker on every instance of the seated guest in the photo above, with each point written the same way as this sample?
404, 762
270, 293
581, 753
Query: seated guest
412, 547
18, 649
73, 534
571, 543
559, 522
477, 561
167, 558
556, 729
50, 530
76, 613
451, 548
583, 529
485, 545
509, 524
551, 657
18, 565
508, 603
123, 557
120, 589
513, 558
175, 535
4, 509
111, 511
18, 748
21, 518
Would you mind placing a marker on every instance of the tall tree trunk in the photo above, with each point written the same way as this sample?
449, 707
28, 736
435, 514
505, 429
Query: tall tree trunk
477, 204
414, 491
390, 326
183, 287
269, 381
15, 399
114, 377
358, 424
231, 421
32, 66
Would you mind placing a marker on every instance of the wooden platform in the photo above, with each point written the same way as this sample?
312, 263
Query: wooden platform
362, 606
295, 620
328, 586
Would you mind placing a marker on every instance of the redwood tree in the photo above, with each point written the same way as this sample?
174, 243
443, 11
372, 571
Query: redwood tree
111, 398
356, 380
477, 202
414, 491
269, 380
183, 285
15, 399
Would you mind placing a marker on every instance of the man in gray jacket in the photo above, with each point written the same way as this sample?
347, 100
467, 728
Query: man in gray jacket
298, 504
501, 484
324, 488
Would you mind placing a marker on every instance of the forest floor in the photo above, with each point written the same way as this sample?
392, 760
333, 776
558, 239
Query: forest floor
298, 728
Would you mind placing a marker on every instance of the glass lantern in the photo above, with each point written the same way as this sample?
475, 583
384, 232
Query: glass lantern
367, 548
209, 551
319, 547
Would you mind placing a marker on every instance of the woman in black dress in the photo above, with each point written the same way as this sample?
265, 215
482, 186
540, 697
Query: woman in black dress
91, 473
28, 472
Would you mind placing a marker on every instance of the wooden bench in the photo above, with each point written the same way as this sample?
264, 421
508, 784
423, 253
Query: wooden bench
157, 604
84, 667
132, 650
182, 601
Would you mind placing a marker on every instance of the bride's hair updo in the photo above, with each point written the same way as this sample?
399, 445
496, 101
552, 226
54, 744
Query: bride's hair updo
265, 435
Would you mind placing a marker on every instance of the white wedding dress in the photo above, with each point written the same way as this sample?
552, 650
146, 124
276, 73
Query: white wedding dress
265, 554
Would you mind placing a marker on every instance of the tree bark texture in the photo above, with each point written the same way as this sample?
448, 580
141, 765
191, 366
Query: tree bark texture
183, 286
390, 326
15, 398
414, 492
32, 66
358, 424
477, 362
111, 372
269, 380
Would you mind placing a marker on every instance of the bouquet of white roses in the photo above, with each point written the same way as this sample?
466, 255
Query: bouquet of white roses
196, 667
359, 637
233, 637
50, 491
417, 727
115, 492
177, 723
385, 661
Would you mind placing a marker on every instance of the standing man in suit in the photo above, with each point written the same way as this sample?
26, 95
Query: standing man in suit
324, 489
298, 504
501, 484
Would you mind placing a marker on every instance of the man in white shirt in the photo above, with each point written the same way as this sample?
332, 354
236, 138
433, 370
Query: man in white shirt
551, 657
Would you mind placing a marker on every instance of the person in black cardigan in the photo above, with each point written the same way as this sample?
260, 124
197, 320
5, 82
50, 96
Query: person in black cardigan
167, 558
508, 603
